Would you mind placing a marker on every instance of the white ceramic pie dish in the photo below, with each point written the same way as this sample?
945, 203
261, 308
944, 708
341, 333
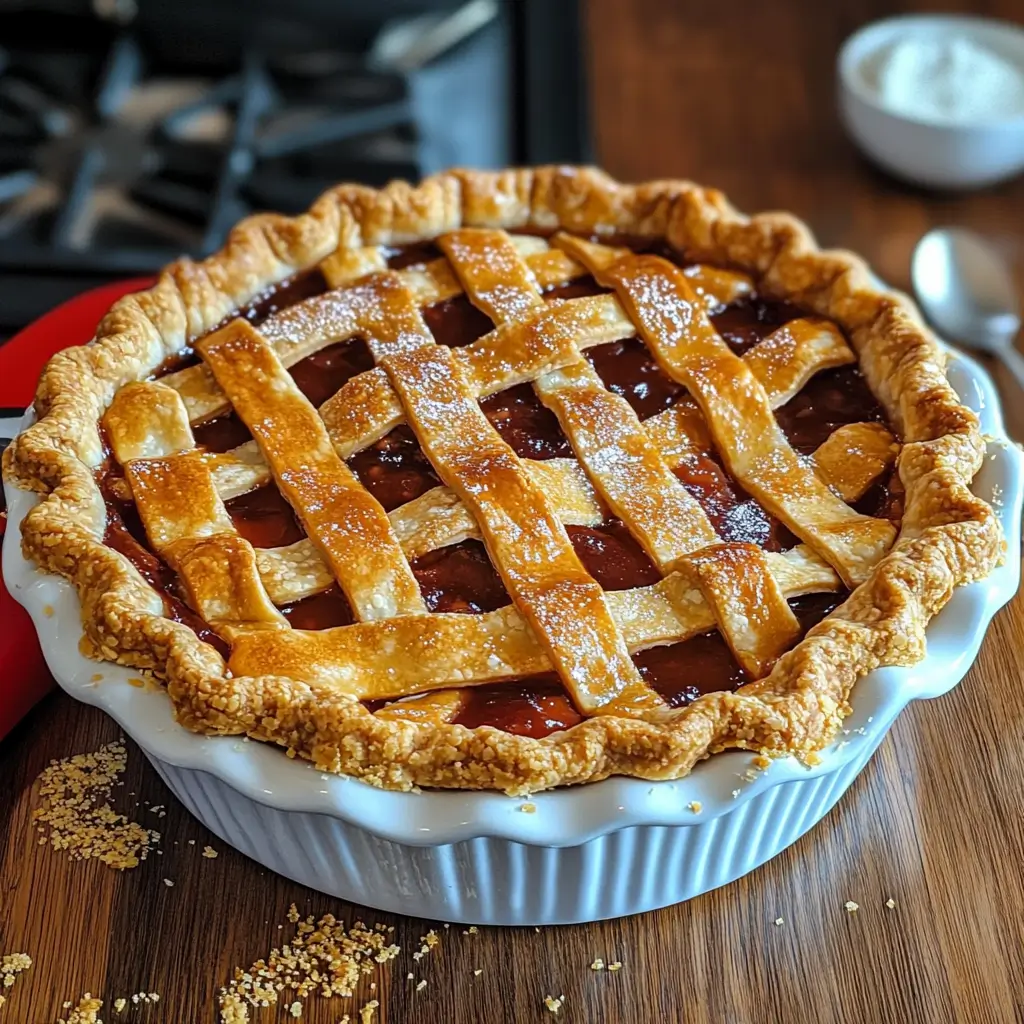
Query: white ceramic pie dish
609, 849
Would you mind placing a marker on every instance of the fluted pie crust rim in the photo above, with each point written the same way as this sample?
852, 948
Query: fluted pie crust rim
948, 536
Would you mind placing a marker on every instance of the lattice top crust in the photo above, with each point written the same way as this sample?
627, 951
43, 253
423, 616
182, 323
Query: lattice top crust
384, 695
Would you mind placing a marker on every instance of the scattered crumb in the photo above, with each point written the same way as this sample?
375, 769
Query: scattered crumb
478, 972
696, 806
209, 852
762, 762
325, 957
168, 883
74, 813
11, 965
537, 930
421, 984
528, 808
232, 1009
735, 793
191, 842
597, 965
96, 677
48, 611
616, 965
295, 1009
409, 976
554, 1005
367, 1012
427, 943
120, 1004
779, 922
851, 907
890, 903
85, 1012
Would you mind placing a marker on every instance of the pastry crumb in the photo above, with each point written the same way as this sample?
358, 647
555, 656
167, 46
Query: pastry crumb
478, 972
735, 793
367, 1011
120, 1004
597, 965
295, 1009
85, 1011
851, 907
74, 814
696, 806
421, 984
616, 965
528, 808
890, 903
11, 965
553, 1004
779, 922
209, 852
324, 957
168, 883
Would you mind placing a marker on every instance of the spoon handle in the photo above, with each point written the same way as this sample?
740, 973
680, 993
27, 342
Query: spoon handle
1014, 362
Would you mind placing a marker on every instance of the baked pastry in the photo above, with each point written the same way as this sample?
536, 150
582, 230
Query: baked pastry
509, 480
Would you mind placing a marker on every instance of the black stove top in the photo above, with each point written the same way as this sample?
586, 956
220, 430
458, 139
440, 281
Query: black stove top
118, 154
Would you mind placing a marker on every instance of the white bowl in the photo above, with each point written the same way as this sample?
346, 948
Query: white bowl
617, 847
931, 154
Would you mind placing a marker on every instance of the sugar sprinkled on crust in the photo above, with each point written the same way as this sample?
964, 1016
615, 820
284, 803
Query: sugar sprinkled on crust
74, 812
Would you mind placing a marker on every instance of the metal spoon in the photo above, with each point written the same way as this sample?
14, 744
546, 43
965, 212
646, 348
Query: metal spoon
966, 291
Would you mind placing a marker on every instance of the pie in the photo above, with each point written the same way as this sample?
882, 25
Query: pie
509, 480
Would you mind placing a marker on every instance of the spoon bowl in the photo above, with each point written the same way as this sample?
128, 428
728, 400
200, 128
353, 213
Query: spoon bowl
967, 293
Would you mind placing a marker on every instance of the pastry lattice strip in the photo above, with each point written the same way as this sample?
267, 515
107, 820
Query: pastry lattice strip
346, 524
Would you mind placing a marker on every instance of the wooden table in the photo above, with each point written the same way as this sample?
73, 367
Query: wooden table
738, 95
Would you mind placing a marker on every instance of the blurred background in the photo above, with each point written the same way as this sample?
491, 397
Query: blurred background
133, 130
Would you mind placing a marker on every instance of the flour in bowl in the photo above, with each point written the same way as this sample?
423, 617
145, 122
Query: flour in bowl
949, 80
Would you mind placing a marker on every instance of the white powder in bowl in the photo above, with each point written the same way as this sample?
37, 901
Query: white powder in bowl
949, 81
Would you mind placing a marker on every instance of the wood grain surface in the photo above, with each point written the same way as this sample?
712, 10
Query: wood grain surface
738, 95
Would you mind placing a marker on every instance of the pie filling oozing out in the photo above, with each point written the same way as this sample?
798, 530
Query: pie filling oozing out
457, 575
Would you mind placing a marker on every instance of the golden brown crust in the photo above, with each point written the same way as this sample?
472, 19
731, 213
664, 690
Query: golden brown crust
949, 536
